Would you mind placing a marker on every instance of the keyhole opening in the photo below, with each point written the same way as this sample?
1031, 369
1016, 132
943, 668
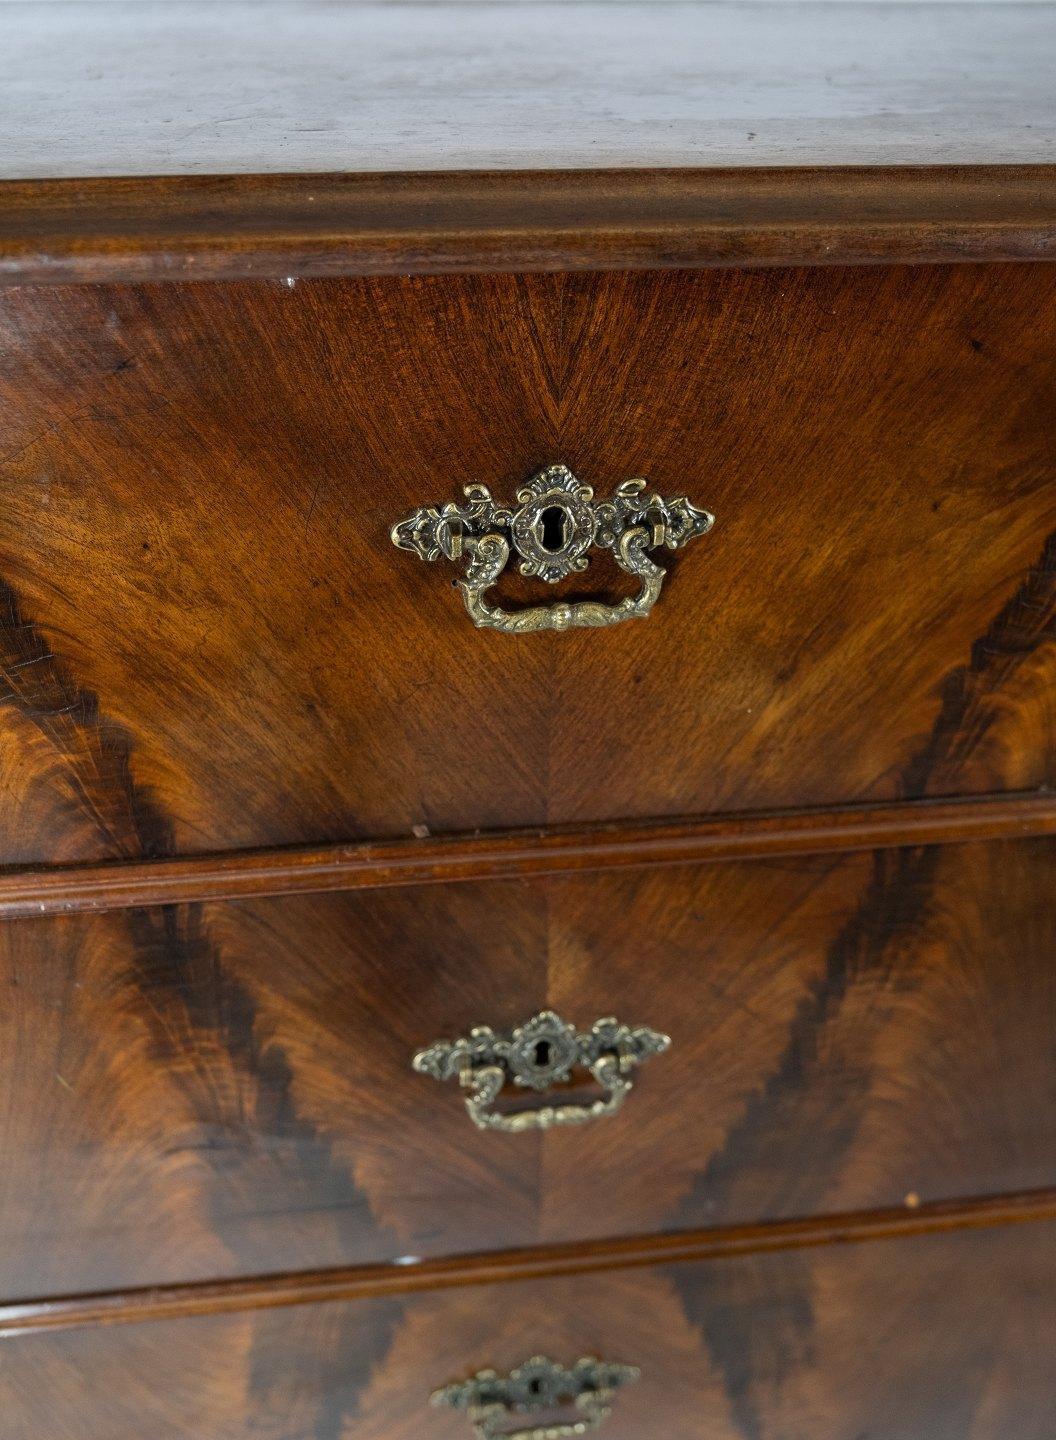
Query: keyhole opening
554, 529
535, 1387
542, 1053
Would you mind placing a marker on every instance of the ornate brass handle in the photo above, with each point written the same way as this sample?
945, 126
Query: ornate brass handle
539, 1384
556, 522
541, 1053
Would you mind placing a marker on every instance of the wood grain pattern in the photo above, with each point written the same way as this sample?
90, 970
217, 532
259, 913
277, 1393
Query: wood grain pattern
218, 679
148, 89
370, 1282
223, 1090
944, 1335
555, 850
209, 643
287, 226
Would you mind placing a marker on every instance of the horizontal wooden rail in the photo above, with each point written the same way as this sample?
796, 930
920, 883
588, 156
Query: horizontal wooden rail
169, 1302
520, 854
277, 226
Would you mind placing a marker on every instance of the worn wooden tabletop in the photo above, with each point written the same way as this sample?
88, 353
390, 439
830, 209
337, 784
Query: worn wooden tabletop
198, 88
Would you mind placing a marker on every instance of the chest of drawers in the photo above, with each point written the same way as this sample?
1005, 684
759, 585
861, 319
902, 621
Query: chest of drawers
589, 961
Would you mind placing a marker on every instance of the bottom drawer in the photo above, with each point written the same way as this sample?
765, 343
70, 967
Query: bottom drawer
941, 1335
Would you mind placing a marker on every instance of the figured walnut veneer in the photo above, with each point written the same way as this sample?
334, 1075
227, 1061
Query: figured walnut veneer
219, 683
226, 1089
940, 1335
208, 642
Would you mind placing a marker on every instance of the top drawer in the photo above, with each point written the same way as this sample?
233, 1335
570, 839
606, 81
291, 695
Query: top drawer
209, 641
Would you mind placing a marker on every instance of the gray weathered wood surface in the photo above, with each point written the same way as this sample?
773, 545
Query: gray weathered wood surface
148, 88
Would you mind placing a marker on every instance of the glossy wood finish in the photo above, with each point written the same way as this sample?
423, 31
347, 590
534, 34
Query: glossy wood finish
311, 1287
942, 1335
145, 89
228, 1206
519, 854
278, 227
209, 643
224, 1090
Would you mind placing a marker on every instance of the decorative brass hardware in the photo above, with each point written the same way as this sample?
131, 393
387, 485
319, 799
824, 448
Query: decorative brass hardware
537, 1055
539, 1384
557, 521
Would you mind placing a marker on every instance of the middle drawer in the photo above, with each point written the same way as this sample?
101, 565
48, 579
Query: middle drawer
217, 1090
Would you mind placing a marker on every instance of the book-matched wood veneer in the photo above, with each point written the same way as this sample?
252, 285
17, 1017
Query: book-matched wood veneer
220, 685
208, 641
847, 1031
839, 1338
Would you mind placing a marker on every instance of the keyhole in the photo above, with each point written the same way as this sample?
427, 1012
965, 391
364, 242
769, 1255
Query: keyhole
554, 522
542, 1053
535, 1387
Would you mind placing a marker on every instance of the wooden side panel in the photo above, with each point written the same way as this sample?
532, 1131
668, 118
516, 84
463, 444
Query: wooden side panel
208, 641
223, 1090
945, 1336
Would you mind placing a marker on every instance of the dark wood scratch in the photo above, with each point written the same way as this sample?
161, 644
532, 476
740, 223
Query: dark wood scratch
311, 507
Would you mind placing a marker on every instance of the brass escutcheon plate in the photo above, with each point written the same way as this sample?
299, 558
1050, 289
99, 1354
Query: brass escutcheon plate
555, 523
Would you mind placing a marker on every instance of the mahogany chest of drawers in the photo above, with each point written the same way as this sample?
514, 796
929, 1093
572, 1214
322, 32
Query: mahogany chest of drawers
528, 722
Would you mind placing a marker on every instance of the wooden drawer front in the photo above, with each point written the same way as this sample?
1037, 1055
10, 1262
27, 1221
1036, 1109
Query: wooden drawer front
224, 1090
209, 641
840, 1342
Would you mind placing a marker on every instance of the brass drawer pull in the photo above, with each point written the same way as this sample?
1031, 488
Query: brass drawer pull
539, 1384
556, 522
537, 1055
